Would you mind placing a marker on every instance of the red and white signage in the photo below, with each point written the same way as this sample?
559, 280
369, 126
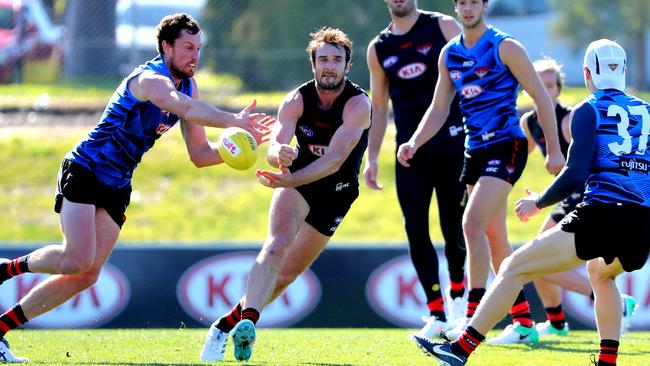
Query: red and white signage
635, 284
394, 291
412, 70
92, 308
211, 287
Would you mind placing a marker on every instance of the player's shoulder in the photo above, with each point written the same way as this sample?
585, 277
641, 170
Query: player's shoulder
292, 101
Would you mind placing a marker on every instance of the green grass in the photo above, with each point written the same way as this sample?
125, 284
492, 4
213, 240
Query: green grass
173, 201
298, 347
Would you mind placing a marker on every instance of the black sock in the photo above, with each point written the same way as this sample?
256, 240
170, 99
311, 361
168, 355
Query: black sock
250, 314
11, 319
13, 268
228, 321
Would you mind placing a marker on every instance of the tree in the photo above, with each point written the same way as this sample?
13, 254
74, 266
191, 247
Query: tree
263, 42
623, 20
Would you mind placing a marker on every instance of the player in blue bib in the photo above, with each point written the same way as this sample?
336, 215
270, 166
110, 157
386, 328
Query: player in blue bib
485, 66
609, 229
94, 183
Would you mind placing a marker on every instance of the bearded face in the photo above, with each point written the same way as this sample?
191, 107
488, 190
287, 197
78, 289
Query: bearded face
182, 57
329, 66
400, 8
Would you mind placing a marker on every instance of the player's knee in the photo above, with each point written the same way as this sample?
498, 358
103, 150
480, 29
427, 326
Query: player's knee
472, 227
73, 264
598, 271
86, 279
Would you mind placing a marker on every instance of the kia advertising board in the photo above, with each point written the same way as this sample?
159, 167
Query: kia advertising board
92, 308
211, 288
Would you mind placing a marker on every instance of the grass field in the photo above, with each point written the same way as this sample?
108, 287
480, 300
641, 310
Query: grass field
300, 347
173, 201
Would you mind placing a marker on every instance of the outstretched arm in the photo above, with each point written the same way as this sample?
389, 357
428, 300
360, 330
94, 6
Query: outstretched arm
576, 171
159, 89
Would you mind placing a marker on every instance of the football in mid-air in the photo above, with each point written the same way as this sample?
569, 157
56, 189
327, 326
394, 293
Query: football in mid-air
237, 148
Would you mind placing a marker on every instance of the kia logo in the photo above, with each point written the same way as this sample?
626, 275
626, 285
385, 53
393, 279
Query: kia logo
634, 283
394, 291
471, 91
92, 308
412, 70
211, 288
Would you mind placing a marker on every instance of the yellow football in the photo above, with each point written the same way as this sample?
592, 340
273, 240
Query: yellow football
237, 148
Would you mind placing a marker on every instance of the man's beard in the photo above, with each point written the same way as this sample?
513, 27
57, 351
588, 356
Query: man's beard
329, 86
404, 11
180, 74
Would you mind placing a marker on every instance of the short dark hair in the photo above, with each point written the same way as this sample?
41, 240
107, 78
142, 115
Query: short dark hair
333, 36
170, 28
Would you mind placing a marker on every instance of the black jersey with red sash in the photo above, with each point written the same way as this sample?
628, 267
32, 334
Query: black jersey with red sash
410, 62
315, 128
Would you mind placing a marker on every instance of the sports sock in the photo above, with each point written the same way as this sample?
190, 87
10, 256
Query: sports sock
474, 297
437, 308
13, 268
228, 321
11, 319
520, 311
556, 316
467, 342
456, 289
608, 352
250, 314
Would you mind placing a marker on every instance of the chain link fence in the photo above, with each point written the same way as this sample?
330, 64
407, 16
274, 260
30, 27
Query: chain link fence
260, 43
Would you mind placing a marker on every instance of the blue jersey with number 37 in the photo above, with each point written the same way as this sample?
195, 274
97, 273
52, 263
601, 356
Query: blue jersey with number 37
620, 166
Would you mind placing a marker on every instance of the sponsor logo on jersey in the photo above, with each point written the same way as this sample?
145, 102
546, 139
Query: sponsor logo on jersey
162, 128
320, 124
406, 45
412, 70
211, 287
340, 186
487, 136
634, 165
390, 61
494, 162
394, 291
455, 130
634, 284
468, 63
455, 75
318, 150
470, 91
481, 71
306, 130
492, 169
91, 308
424, 48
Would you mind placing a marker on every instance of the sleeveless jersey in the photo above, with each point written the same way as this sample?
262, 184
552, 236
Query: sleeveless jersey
410, 62
315, 128
538, 134
619, 170
127, 129
487, 90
